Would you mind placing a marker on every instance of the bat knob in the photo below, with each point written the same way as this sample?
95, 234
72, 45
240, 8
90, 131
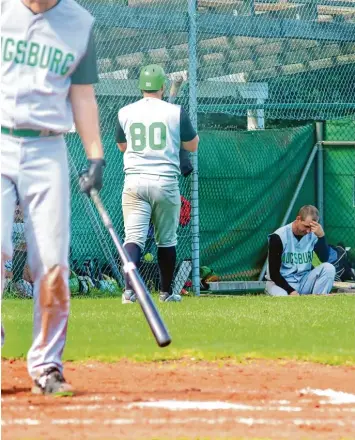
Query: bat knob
83, 172
83, 178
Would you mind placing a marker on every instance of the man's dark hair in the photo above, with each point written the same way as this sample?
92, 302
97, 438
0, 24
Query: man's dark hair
309, 210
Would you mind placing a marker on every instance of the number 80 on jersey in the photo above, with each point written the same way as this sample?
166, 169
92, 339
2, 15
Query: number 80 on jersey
156, 133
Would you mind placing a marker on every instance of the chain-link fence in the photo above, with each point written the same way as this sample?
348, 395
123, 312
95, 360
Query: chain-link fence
339, 185
257, 73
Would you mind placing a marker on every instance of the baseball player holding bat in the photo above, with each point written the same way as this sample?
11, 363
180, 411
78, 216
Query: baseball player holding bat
149, 133
48, 68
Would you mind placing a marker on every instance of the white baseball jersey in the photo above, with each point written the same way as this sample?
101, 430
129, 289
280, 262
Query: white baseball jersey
40, 54
153, 135
297, 255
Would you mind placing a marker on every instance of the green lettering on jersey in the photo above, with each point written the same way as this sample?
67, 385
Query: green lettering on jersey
8, 54
36, 55
57, 58
33, 54
20, 52
138, 136
157, 136
297, 258
68, 61
45, 56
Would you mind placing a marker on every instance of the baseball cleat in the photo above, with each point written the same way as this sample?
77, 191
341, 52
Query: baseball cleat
51, 382
165, 297
129, 297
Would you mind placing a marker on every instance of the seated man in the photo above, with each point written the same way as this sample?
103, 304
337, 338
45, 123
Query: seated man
290, 257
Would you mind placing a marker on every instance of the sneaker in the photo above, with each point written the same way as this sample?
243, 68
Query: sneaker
128, 297
52, 382
166, 297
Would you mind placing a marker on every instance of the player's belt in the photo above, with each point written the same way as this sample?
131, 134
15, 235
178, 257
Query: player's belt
27, 132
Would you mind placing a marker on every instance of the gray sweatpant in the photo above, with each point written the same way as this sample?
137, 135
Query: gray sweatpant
318, 281
37, 169
151, 197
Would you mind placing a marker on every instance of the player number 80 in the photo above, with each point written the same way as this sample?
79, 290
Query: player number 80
156, 136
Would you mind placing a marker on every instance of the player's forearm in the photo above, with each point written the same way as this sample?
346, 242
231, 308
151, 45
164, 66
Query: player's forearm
322, 249
87, 125
274, 259
276, 277
87, 120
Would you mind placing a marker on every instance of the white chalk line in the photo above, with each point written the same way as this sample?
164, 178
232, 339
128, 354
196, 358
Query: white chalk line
97, 398
250, 421
174, 405
333, 397
159, 404
177, 405
27, 422
181, 405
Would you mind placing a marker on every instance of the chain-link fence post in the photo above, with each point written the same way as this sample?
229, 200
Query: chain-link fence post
192, 45
320, 129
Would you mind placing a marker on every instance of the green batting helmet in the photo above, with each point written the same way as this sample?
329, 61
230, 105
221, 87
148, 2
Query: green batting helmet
152, 77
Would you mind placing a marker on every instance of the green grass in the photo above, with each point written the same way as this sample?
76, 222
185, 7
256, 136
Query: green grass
320, 329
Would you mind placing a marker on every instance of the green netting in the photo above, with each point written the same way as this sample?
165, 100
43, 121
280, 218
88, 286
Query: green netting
340, 130
246, 183
339, 190
339, 185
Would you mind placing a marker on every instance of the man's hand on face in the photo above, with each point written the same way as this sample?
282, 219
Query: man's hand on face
317, 229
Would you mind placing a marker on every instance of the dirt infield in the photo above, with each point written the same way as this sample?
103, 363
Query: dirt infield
184, 399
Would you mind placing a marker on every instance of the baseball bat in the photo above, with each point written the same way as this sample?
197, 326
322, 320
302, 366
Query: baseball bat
185, 162
175, 87
151, 313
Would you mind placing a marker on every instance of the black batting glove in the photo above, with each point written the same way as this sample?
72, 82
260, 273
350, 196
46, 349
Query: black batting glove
186, 167
92, 178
